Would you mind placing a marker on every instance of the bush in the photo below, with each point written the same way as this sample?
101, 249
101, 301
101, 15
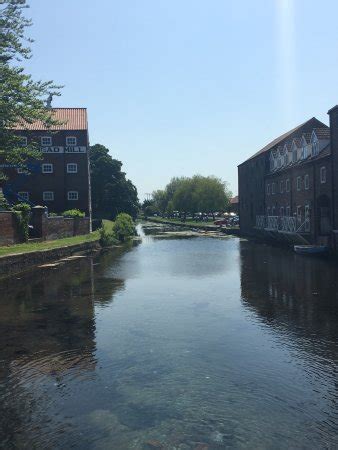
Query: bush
22, 211
107, 238
4, 205
73, 213
124, 227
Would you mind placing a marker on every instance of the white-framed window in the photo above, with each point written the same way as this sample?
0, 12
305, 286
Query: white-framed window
71, 141
268, 211
21, 170
282, 211
307, 217
48, 196
23, 141
47, 168
294, 155
304, 152
315, 148
287, 185
299, 183
71, 168
323, 174
281, 186
273, 188
279, 162
299, 214
23, 195
287, 211
46, 141
268, 189
73, 195
307, 182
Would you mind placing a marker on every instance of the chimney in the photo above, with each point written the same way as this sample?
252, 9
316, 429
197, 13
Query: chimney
333, 114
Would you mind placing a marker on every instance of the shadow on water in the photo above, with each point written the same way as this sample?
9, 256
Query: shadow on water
47, 328
292, 293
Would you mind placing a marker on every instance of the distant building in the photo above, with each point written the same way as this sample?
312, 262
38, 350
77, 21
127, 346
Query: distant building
61, 179
289, 189
234, 205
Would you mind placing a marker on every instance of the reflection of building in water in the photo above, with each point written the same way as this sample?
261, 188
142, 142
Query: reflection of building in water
47, 326
292, 293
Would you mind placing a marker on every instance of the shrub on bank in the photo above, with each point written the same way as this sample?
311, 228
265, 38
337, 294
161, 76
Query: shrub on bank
124, 227
73, 213
23, 211
119, 231
107, 238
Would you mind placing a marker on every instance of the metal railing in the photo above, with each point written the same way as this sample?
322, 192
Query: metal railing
284, 224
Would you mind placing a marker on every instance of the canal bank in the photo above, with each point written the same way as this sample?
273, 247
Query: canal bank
21, 262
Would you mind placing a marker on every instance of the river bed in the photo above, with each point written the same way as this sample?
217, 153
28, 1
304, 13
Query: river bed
186, 343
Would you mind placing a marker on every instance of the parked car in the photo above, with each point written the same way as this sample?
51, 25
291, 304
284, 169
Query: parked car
221, 222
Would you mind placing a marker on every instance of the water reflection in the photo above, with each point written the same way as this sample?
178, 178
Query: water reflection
292, 293
47, 328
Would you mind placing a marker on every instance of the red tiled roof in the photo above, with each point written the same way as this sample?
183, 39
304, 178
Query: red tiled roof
313, 123
234, 200
70, 118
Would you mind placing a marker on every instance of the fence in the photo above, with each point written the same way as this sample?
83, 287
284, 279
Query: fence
286, 224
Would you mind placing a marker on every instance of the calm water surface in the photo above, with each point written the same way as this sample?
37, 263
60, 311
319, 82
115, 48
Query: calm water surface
183, 344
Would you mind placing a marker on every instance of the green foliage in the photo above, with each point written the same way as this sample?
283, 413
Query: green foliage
113, 233
73, 213
150, 210
22, 99
107, 238
124, 227
195, 194
112, 192
4, 205
22, 211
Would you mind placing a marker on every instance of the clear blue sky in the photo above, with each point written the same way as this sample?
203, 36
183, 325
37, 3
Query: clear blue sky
178, 87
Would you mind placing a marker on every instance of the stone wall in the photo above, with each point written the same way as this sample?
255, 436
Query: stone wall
9, 233
21, 262
50, 228
60, 227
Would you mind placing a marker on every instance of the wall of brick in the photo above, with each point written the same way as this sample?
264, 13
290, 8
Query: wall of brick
294, 198
9, 232
60, 227
251, 192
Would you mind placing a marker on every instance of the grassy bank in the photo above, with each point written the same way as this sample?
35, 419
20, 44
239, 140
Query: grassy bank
188, 222
48, 245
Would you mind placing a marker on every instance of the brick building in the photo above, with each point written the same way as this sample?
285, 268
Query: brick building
289, 189
61, 179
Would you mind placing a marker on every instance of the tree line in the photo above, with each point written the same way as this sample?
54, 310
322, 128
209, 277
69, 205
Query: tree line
190, 195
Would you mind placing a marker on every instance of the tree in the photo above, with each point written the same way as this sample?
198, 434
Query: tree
22, 99
195, 194
211, 194
160, 201
184, 198
112, 192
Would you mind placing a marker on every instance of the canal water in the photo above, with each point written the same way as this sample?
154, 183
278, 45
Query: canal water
173, 343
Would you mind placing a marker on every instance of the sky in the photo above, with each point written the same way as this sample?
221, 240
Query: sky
184, 87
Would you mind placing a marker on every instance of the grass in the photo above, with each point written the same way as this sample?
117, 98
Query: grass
48, 245
108, 225
180, 222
